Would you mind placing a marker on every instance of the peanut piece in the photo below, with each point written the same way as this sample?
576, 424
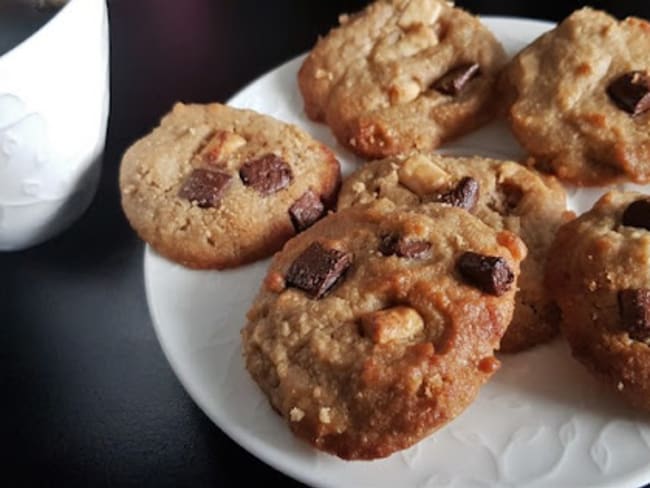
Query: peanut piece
321, 73
222, 144
396, 46
420, 12
420, 175
324, 415
392, 324
296, 414
404, 91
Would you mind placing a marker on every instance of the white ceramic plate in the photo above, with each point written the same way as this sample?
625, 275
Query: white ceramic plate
541, 421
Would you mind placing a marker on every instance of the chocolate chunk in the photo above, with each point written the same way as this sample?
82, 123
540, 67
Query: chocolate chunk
631, 92
205, 187
318, 269
306, 210
464, 195
392, 244
512, 195
489, 274
506, 199
637, 214
267, 174
634, 307
453, 82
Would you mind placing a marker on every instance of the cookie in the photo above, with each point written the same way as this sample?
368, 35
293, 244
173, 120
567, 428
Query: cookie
376, 327
215, 187
598, 271
578, 99
503, 194
402, 75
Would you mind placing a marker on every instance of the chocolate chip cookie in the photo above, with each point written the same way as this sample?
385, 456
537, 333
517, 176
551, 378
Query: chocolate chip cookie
401, 75
503, 194
215, 187
598, 271
375, 327
578, 99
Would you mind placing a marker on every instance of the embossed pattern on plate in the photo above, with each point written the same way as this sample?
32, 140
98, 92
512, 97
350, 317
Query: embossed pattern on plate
541, 422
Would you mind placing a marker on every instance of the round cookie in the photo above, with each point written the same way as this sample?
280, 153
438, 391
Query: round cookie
578, 99
503, 194
374, 328
598, 271
402, 75
215, 187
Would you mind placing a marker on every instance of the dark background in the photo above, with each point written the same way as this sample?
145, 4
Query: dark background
87, 397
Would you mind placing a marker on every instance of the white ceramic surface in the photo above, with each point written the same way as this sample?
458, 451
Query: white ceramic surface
54, 99
541, 422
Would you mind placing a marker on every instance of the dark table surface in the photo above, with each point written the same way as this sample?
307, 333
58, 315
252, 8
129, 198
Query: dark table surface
87, 396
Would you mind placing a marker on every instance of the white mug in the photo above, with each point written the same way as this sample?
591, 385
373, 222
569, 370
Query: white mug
54, 97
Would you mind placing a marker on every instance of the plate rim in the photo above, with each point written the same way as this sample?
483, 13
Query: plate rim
243, 441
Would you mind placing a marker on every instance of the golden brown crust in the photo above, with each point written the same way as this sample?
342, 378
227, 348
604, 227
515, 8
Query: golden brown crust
245, 225
556, 93
592, 259
397, 347
372, 80
510, 197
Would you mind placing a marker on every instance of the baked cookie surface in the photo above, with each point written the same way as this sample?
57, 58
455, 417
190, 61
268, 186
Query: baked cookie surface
375, 327
402, 75
215, 187
598, 271
503, 194
579, 99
